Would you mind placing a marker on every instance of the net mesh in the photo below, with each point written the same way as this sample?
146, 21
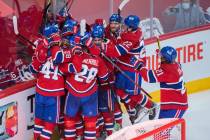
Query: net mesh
161, 129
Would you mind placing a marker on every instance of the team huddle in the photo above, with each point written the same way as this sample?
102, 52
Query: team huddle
84, 71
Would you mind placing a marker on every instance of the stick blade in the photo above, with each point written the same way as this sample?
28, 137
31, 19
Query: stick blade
15, 26
122, 4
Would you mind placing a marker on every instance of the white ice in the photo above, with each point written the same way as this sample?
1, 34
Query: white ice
198, 116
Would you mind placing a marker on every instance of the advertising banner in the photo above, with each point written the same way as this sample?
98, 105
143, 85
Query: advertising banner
17, 116
192, 52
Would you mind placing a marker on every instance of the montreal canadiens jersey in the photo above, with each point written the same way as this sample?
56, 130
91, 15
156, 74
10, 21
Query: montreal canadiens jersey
130, 46
50, 81
111, 77
172, 89
84, 82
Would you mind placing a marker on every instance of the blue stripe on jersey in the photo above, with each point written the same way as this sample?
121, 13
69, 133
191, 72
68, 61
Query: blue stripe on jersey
172, 86
137, 50
71, 68
121, 49
151, 77
59, 58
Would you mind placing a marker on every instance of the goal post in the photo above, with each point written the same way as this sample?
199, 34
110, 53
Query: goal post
160, 129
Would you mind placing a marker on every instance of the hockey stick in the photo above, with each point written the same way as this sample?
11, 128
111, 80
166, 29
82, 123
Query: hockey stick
15, 26
123, 73
70, 5
158, 42
122, 4
44, 17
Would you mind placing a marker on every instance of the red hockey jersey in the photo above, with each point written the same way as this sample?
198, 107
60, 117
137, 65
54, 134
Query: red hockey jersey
111, 77
84, 83
172, 89
50, 81
130, 46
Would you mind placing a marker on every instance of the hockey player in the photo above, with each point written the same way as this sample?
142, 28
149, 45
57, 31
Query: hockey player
112, 32
70, 28
173, 98
62, 16
106, 95
82, 94
130, 52
50, 82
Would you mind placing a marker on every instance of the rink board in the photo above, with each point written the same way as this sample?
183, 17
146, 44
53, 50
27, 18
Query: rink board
193, 46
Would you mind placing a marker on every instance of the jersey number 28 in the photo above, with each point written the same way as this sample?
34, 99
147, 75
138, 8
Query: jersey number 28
86, 75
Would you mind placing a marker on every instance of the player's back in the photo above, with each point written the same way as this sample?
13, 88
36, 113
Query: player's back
172, 86
136, 49
49, 81
84, 82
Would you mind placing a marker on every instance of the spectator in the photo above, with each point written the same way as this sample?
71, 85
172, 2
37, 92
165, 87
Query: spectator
187, 14
207, 15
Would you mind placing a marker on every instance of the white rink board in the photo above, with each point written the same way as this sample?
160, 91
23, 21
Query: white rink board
194, 49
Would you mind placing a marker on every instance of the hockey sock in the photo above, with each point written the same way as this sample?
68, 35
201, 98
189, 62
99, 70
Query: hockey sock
99, 124
70, 128
109, 122
90, 128
47, 131
38, 126
117, 113
79, 125
124, 97
61, 125
143, 100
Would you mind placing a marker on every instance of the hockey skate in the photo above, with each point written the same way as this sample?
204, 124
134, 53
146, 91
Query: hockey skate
146, 112
153, 112
138, 109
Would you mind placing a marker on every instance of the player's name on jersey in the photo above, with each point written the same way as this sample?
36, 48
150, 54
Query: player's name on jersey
90, 61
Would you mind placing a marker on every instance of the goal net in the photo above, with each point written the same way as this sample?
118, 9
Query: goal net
160, 129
